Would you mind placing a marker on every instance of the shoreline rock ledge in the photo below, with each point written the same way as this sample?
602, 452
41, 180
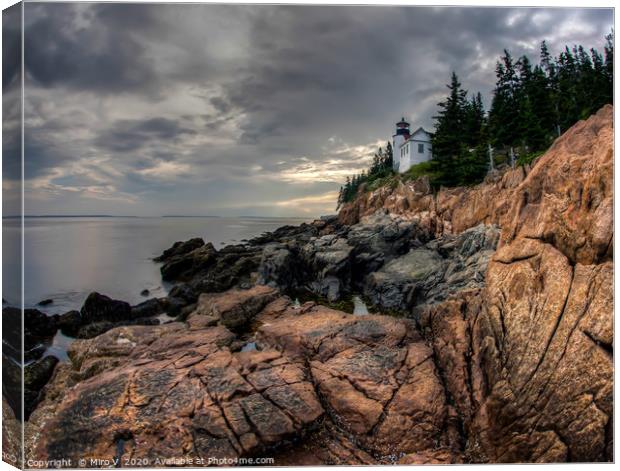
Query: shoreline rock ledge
498, 346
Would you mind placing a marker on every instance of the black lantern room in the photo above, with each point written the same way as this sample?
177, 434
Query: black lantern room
402, 127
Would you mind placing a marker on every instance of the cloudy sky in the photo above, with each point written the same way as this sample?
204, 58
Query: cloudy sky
244, 110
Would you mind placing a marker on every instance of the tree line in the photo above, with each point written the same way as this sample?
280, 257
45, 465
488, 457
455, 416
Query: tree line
531, 105
381, 167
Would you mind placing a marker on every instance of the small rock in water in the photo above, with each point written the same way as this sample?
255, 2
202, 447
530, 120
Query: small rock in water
145, 292
45, 302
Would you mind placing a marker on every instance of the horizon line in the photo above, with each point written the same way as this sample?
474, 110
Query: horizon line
34, 216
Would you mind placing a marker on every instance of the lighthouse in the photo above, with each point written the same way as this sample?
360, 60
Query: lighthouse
410, 148
398, 139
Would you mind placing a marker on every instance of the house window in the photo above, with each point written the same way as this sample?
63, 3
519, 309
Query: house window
420, 148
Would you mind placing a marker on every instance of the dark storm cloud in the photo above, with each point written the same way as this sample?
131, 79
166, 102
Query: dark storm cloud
130, 135
240, 97
11, 45
371, 59
104, 57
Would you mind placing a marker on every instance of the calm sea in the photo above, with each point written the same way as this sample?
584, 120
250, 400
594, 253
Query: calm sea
67, 258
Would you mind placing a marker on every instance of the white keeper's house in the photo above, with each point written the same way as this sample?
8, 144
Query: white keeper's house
410, 148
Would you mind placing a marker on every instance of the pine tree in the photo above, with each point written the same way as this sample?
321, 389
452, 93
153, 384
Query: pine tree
609, 67
389, 157
504, 114
448, 141
568, 108
546, 61
474, 121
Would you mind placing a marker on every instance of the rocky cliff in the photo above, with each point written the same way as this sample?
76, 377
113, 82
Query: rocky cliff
498, 349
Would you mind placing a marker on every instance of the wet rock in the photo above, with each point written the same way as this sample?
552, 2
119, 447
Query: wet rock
12, 331
279, 267
301, 233
184, 292
99, 307
149, 308
173, 306
38, 327
70, 322
184, 265
145, 292
235, 265
12, 383
45, 302
36, 376
38, 373
94, 329
180, 248
38, 324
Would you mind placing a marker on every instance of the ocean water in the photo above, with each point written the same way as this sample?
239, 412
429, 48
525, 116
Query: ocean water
67, 258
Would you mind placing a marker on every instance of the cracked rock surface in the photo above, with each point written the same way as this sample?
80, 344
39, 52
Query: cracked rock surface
366, 385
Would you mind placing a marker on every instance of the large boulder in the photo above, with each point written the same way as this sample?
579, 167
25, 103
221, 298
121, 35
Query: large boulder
327, 261
234, 266
70, 322
547, 331
567, 198
149, 308
236, 308
279, 266
180, 248
397, 284
375, 373
99, 307
184, 265
435, 271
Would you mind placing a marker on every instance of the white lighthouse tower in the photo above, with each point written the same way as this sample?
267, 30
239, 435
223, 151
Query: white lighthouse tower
398, 139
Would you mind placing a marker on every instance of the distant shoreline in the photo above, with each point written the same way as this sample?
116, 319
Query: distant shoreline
53, 216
